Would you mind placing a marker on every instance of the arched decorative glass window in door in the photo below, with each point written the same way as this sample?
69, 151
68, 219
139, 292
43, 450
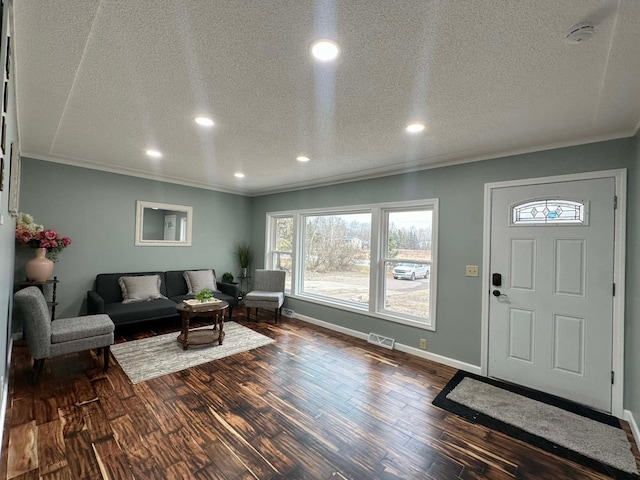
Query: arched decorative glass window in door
548, 212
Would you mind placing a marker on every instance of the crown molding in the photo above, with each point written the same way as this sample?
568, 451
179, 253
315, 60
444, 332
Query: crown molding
445, 160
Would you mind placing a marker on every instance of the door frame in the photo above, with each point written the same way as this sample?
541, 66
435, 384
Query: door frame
619, 246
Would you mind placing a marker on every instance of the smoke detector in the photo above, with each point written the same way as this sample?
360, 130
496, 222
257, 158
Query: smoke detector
580, 33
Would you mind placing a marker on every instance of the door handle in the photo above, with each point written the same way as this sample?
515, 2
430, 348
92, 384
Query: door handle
498, 293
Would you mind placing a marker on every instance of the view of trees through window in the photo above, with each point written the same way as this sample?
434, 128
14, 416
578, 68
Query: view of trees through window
282, 254
334, 258
337, 256
408, 258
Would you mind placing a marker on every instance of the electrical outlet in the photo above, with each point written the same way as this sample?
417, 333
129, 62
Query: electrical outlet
423, 343
472, 270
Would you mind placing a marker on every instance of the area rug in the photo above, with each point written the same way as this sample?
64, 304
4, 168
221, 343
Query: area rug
564, 428
155, 356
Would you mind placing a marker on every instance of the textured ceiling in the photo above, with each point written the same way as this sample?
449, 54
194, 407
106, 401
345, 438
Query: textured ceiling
99, 82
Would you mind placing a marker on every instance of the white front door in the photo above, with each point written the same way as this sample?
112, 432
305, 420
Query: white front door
550, 328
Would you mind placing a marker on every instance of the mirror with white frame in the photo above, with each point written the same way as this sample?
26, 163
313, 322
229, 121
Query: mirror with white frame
163, 224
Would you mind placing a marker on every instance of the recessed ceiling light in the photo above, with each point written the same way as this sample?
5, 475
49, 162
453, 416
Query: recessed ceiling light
204, 121
239, 175
415, 127
325, 50
153, 153
302, 158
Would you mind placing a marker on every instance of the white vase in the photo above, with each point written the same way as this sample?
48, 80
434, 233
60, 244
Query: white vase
39, 268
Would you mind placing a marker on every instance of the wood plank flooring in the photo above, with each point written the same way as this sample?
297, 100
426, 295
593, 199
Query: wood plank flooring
314, 405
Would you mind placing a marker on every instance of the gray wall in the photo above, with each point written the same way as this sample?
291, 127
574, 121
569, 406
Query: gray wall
97, 210
632, 324
460, 189
7, 227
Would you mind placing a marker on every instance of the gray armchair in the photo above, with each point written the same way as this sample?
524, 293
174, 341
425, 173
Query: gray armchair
48, 338
268, 292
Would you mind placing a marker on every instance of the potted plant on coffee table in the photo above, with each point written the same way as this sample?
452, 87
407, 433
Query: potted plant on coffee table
204, 295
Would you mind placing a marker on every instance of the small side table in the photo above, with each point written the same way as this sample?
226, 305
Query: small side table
54, 283
203, 336
244, 285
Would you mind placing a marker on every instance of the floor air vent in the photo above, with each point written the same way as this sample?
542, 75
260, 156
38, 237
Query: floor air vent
385, 342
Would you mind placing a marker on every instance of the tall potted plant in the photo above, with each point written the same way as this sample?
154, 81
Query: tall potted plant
245, 256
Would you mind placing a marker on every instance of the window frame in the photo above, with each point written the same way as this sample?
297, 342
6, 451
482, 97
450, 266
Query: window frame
384, 259
271, 241
303, 216
378, 257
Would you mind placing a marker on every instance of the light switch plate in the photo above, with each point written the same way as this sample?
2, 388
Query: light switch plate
472, 270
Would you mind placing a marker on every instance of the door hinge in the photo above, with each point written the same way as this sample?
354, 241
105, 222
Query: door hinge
614, 289
615, 202
612, 377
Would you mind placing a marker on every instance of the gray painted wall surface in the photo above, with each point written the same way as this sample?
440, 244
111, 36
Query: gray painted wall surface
97, 210
632, 324
460, 189
7, 229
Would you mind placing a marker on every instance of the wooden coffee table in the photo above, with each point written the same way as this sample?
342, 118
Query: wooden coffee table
204, 336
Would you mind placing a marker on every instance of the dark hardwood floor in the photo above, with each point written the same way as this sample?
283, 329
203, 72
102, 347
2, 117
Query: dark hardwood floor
314, 405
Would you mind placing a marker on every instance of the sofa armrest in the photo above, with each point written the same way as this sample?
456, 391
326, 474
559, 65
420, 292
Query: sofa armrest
231, 289
95, 303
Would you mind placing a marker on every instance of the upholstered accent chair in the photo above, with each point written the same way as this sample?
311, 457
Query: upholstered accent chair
48, 338
268, 292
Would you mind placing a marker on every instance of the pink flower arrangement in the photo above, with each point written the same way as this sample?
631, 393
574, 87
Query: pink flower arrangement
33, 235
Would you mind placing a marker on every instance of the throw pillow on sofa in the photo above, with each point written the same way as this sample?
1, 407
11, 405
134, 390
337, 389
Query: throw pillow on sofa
198, 280
141, 288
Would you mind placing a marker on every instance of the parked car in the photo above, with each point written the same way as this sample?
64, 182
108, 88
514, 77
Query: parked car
410, 271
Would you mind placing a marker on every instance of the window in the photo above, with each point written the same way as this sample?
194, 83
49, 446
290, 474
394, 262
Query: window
545, 212
378, 259
337, 257
281, 257
408, 258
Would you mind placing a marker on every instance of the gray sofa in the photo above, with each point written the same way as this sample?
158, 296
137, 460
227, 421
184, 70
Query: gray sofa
106, 297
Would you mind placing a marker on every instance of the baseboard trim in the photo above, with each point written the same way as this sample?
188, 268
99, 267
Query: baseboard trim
332, 326
628, 416
434, 357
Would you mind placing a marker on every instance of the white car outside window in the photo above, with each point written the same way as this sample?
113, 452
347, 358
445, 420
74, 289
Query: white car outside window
410, 271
